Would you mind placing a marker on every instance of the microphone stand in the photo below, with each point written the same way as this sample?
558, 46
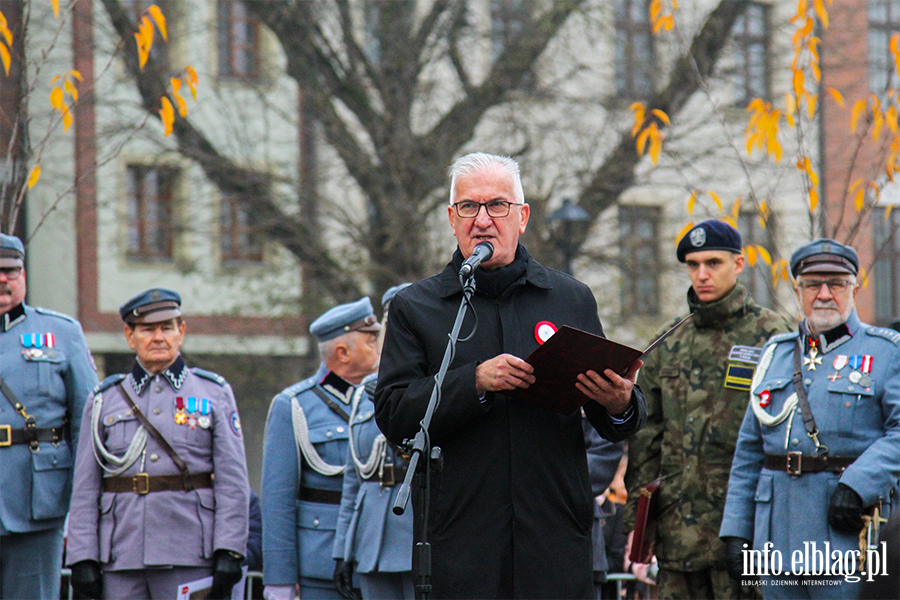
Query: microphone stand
421, 446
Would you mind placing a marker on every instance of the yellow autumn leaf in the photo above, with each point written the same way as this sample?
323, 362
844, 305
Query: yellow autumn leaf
638, 110
76, 74
798, 82
715, 198
729, 220
736, 208
656, 139
176, 83
859, 199
877, 123
34, 176
55, 4
182, 105
822, 13
813, 200
190, 77
56, 98
5, 58
66, 117
894, 46
858, 107
777, 151
863, 277
143, 54
55, 79
817, 72
811, 105
751, 255
890, 118
775, 272
661, 116
837, 96
691, 202
683, 231
160, 19
642, 141
167, 115
764, 254
784, 270
887, 211
73, 91
655, 9
7, 34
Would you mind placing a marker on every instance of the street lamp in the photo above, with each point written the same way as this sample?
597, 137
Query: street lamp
568, 214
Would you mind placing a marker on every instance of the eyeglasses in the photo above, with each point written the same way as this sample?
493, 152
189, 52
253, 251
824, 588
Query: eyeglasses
835, 285
11, 272
496, 209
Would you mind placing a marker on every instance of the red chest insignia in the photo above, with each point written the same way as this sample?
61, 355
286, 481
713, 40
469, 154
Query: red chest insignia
765, 398
543, 331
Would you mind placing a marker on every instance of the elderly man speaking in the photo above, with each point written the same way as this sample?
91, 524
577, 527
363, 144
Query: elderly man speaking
819, 447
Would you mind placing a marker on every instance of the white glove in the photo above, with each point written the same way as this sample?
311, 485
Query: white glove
278, 592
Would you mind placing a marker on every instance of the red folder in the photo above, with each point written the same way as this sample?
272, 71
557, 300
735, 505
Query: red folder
645, 521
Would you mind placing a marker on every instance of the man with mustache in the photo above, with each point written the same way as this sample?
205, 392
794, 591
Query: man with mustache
46, 373
819, 444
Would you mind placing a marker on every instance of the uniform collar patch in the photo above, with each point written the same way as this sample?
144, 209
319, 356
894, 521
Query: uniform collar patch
13, 317
174, 373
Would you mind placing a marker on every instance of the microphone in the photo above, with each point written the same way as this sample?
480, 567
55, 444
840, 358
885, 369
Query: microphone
482, 252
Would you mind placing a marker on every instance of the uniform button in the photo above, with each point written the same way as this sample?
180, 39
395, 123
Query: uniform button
55, 461
799, 411
157, 389
721, 492
696, 371
850, 388
329, 434
340, 430
688, 563
847, 405
154, 457
795, 442
690, 419
157, 411
689, 516
807, 381
316, 523
110, 420
687, 467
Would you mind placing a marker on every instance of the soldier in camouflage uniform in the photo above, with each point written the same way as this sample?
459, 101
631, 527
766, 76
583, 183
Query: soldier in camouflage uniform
697, 385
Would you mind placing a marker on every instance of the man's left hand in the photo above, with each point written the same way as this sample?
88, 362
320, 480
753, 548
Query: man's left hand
226, 572
846, 510
612, 392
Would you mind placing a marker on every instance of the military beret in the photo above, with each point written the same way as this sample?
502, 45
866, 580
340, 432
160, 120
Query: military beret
389, 295
12, 252
151, 306
709, 235
824, 256
354, 316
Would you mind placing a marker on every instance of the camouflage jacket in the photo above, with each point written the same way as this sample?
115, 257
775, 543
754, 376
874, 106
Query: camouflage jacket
697, 390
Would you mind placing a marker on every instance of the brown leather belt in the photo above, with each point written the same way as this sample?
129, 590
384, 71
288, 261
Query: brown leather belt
391, 475
796, 463
10, 436
144, 484
320, 496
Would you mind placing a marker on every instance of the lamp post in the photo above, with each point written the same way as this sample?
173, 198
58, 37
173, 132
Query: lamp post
568, 214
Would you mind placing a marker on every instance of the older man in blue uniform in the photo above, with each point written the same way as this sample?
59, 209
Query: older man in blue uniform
46, 373
161, 492
819, 447
304, 455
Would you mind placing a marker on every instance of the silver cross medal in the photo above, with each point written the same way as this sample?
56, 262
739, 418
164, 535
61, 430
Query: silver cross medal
813, 360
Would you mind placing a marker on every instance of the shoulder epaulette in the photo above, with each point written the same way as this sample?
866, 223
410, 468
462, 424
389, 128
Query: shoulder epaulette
888, 334
300, 387
53, 313
209, 375
108, 383
783, 337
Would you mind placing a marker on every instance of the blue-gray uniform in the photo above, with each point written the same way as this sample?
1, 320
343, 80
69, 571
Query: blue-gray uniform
45, 363
853, 387
179, 522
368, 532
301, 496
603, 459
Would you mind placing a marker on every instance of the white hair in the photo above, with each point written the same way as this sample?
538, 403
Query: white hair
327, 348
481, 162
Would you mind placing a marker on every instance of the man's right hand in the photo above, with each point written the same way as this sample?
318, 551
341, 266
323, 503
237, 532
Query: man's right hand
734, 556
343, 579
503, 372
87, 580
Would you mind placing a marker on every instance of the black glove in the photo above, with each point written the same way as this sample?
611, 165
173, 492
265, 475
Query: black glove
86, 580
846, 510
343, 580
226, 573
734, 556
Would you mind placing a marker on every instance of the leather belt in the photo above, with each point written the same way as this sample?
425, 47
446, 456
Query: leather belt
144, 484
391, 475
796, 463
10, 436
320, 496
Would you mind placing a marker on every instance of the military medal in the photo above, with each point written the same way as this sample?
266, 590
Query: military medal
854, 377
191, 404
180, 418
865, 381
204, 406
203, 422
765, 397
814, 358
840, 361
192, 421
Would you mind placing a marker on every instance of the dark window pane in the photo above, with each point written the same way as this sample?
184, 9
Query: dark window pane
750, 43
884, 22
886, 271
639, 257
150, 227
635, 56
238, 41
757, 279
241, 241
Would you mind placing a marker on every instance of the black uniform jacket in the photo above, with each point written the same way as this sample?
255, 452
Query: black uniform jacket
511, 511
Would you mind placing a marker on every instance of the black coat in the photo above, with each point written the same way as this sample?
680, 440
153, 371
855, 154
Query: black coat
512, 510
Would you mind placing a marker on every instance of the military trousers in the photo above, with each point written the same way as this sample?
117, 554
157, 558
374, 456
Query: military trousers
30, 564
711, 584
387, 586
158, 584
318, 589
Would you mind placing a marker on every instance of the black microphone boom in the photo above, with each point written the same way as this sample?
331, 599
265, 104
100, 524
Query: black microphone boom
482, 252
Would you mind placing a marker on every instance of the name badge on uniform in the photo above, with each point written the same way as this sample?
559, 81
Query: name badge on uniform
742, 362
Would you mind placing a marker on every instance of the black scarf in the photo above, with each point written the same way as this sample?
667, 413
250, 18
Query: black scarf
496, 281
